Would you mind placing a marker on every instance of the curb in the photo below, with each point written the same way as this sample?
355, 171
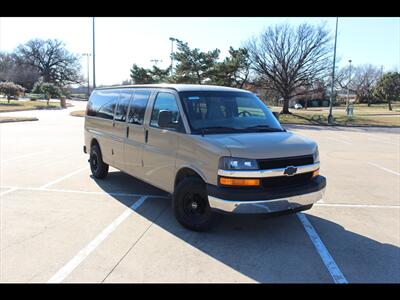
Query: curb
346, 126
21, 120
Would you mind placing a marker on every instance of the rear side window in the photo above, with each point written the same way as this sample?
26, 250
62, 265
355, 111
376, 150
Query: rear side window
122, 107
164, 101
102, 104
138, 107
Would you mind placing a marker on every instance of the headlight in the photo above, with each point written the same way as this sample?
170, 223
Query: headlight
316, 156
232, 163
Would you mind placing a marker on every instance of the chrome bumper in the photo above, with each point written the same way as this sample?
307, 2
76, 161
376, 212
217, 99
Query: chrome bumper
265, 206
267, 173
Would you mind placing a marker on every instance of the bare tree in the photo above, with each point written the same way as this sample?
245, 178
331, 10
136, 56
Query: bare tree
54, 63
291, 57
11, 70
363, 83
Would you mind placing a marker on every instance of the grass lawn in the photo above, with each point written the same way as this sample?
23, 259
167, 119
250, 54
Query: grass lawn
375, 115
82, 96
340, 120
16, 105
16, 119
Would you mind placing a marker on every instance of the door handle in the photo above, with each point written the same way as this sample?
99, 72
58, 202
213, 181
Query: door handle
127, 131
146, 135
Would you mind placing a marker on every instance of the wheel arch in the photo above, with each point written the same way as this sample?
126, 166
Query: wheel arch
94, 141
187, 171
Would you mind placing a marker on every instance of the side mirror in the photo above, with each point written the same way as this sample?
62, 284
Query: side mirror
276, 114
165, 119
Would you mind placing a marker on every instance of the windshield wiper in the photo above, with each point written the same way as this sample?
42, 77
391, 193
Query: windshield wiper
216, 129
264, 128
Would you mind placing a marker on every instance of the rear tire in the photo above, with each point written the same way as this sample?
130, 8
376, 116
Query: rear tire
97, 166
191, 207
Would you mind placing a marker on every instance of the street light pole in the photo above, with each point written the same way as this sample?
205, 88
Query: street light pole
348, 89
330, 116
94, 61
88, 86
172, 51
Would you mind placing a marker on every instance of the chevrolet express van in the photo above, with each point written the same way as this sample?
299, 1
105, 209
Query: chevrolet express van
212, 148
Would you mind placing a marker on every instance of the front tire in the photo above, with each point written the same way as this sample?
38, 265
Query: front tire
97, 166
191, 207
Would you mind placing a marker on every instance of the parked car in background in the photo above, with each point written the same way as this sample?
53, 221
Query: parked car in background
214, 149
297, 106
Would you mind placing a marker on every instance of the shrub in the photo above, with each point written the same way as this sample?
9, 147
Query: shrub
10, 89
34, 97
48, 89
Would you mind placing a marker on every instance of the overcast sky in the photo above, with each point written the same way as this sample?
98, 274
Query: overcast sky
120, 42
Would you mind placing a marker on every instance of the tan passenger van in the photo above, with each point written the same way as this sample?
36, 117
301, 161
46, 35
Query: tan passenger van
212, 148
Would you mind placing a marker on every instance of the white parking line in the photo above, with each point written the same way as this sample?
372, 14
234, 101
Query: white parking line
8, 191
64, 177
330, 264
82, 192
383, 168
23, 156
80, 257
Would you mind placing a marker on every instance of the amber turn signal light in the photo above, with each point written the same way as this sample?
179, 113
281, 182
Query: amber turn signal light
315, 173
239, 181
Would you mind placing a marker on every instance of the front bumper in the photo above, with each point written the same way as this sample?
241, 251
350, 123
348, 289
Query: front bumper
259, 201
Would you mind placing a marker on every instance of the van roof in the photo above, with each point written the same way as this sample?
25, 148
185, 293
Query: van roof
178, 87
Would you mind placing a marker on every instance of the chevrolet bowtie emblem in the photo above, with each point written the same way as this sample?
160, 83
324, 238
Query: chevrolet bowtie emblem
290, 171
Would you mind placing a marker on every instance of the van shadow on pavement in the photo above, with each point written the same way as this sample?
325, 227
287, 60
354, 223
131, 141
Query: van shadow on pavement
266, 249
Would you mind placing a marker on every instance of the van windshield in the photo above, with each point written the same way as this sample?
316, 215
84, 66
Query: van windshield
223, 112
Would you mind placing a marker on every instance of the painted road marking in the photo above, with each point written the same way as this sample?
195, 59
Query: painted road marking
323, 252
383, 168
83, 192
12, 189
23, 156
80, 257
64, 177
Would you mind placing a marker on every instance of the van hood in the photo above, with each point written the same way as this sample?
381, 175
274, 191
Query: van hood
260, 145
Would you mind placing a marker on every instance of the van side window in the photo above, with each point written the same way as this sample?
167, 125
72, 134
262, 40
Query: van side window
109, 101
122, 107
164, 101
138, 107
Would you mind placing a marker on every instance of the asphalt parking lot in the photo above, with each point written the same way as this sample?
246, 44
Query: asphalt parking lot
58, 224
